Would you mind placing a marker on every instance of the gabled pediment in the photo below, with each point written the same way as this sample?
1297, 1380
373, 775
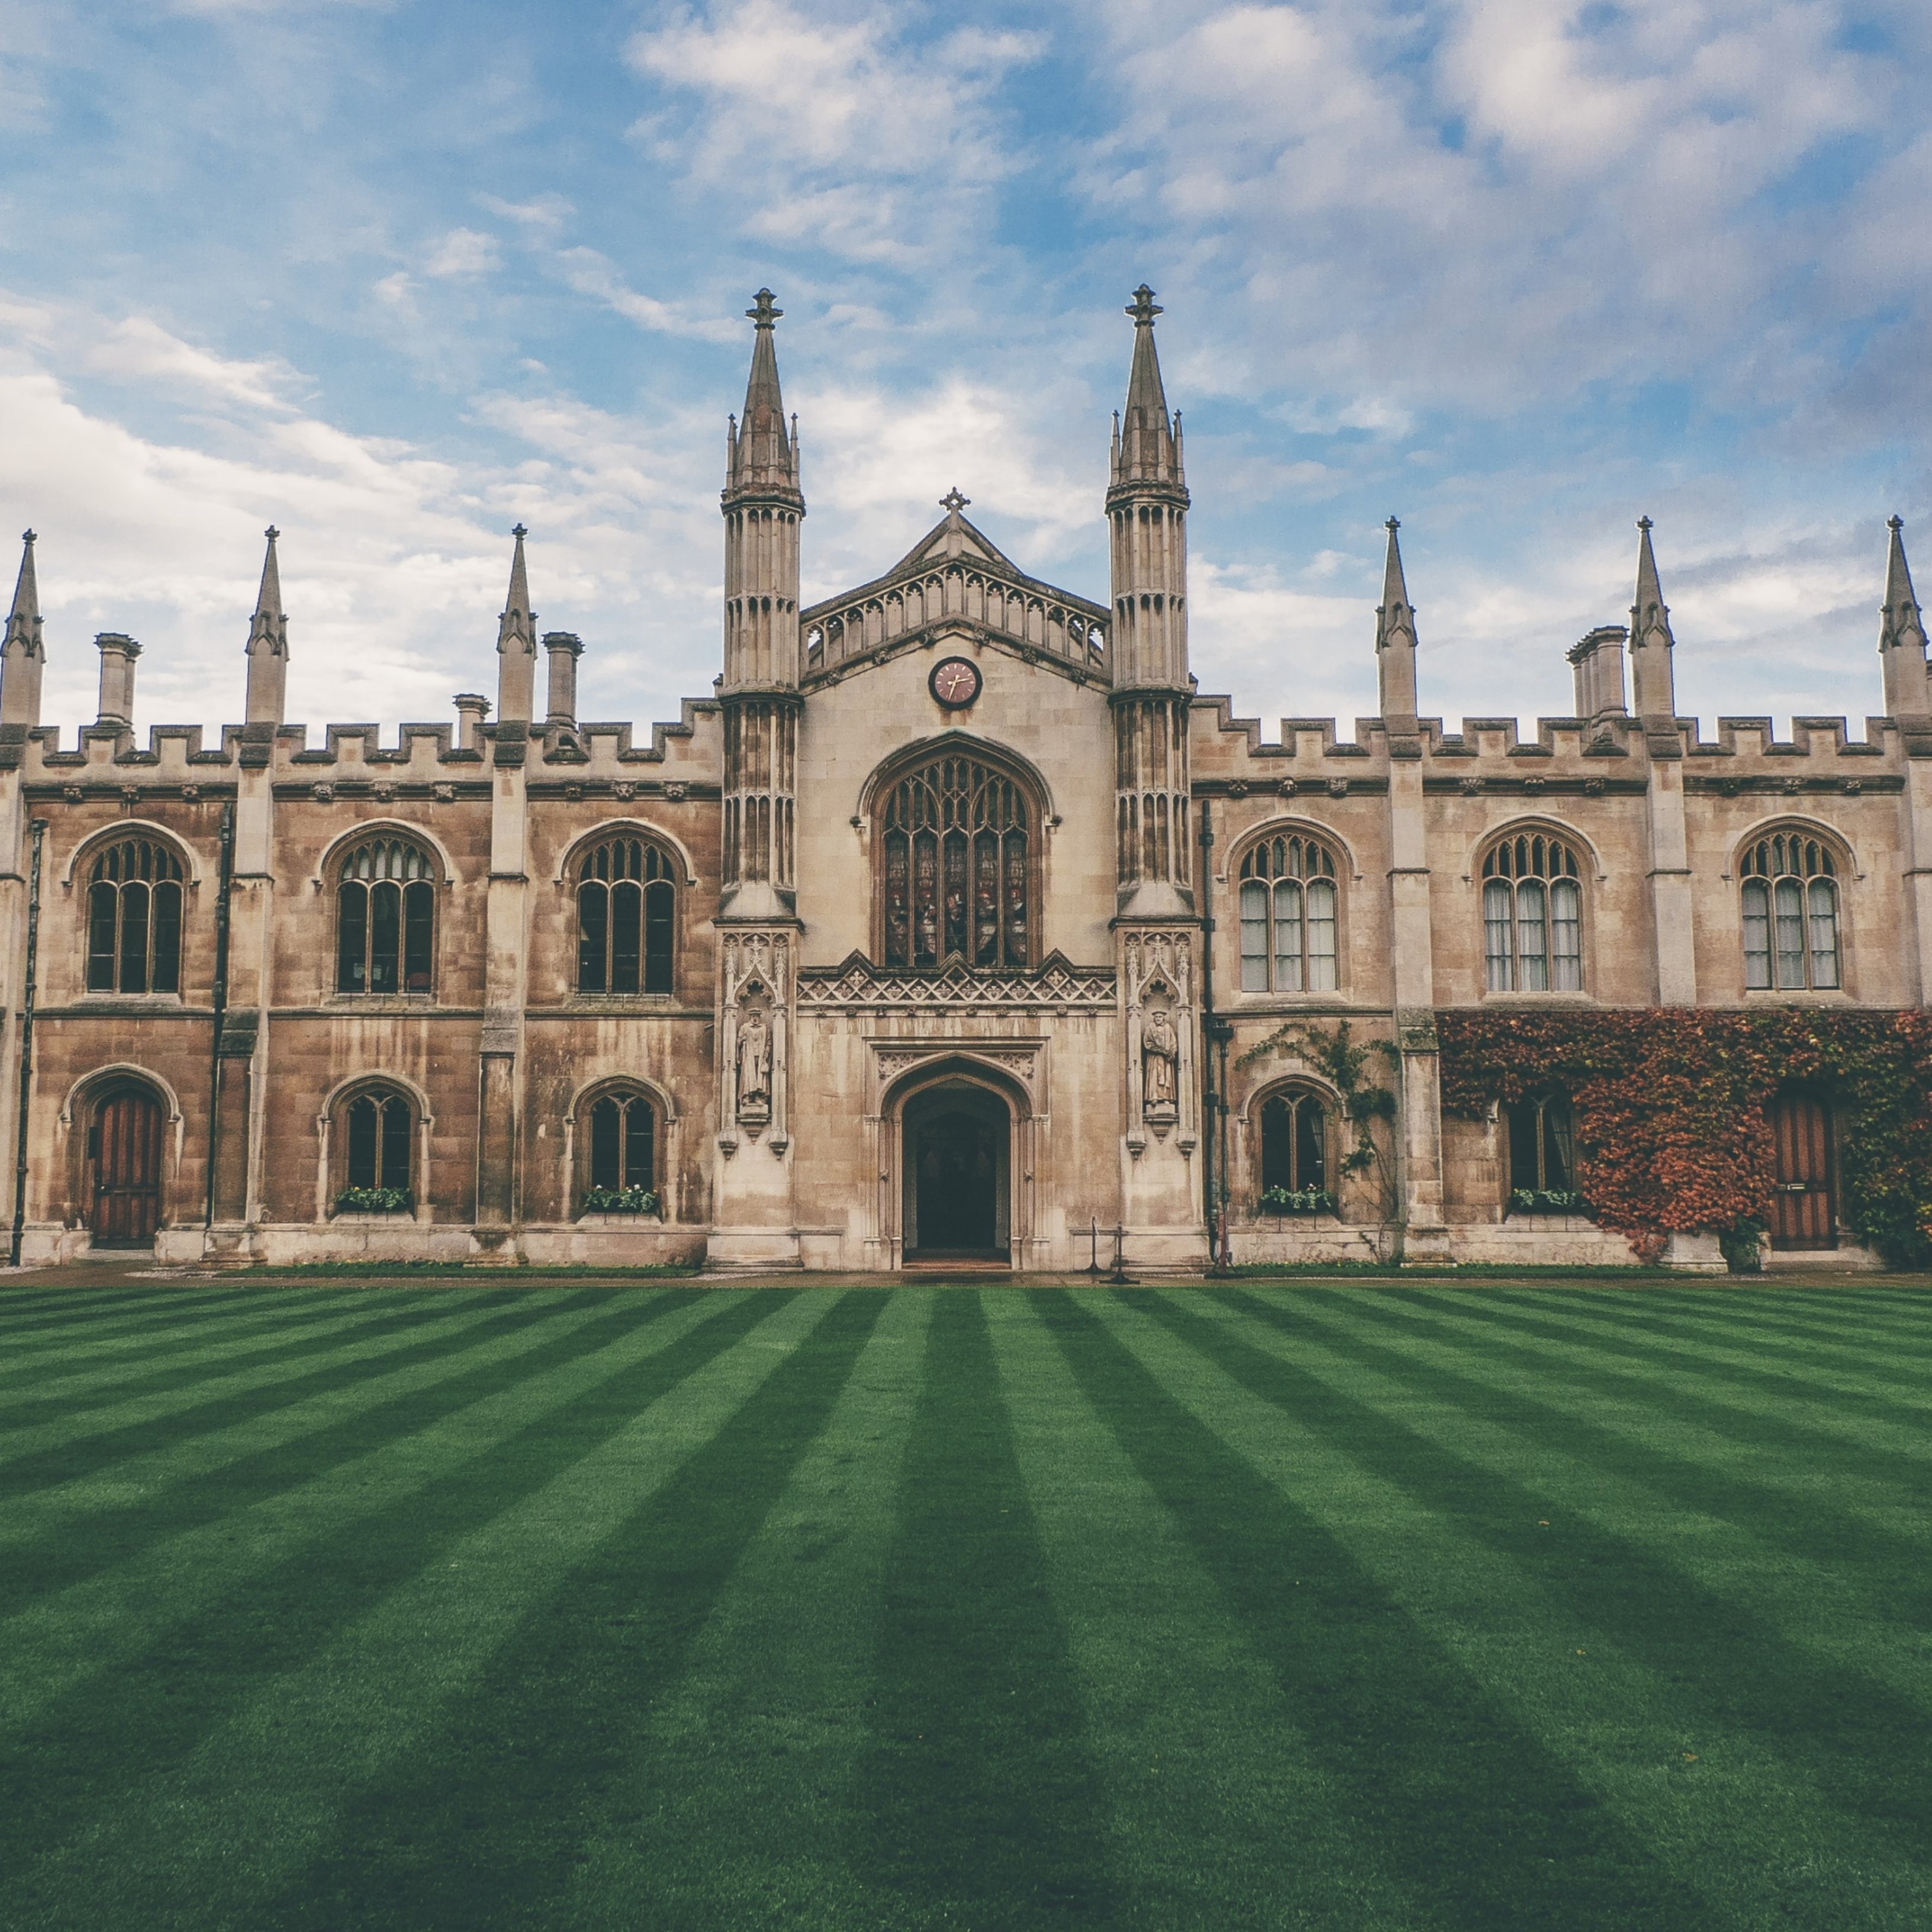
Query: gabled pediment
955, 577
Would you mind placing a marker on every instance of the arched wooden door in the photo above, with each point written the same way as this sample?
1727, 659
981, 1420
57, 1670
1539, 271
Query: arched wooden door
126, 1148
1803, 1214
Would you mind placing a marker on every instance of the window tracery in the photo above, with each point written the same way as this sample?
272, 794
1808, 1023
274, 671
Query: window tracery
1532, 915
1790, 894
1294, 1144
1288, 909
134, 919
385, 919
626, 906
956, 870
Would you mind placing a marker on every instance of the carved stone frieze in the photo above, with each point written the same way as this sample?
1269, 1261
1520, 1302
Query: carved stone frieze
1054, 985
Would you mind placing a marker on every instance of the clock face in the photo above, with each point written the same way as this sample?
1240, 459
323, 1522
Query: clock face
956, 682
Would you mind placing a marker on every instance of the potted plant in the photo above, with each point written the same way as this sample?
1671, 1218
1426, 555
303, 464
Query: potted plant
619, 1201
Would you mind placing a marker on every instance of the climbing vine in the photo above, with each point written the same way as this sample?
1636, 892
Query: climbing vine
1673, 1131
1334, 1053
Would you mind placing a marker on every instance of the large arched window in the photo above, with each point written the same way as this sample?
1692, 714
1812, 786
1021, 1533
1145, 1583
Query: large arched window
386, 924
1532, 917
1288, 917
134, 919
620, 1173
1294, 1151
957, 866
378, 1128
625, 904
1791, 913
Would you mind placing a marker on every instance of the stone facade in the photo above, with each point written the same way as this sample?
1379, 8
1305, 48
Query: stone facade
948, 927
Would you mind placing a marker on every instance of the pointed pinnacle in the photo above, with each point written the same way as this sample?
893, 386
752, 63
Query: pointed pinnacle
26, 588
1395, 589
269, 598
1902, 622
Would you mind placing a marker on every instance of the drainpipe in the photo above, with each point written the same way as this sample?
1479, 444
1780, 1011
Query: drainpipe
1215, 1033
227, 880
40, 829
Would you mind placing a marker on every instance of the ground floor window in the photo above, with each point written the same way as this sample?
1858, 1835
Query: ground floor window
1294, 1153
622, 1167
379, 1136
1543, 1157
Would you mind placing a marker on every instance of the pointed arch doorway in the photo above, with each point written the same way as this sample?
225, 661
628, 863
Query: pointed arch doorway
957, 1174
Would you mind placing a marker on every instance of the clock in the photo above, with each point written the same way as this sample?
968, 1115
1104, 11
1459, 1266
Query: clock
955, 682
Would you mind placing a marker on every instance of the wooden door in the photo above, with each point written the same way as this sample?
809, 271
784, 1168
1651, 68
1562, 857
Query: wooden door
127, 1171
1802, 1213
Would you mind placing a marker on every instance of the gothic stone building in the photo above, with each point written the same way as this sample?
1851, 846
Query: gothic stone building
940, 930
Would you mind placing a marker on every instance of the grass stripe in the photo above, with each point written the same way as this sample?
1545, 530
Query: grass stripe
114, 1315
102, 1435
488, 1816
1876, 1351
1830, 1415
1495, 1830
195, 1359
737, 1810
1719, 1672
59, 1536
1201, 1751
1825, 1579
982, 1804
175, 1652
386, 1628
1751, 1447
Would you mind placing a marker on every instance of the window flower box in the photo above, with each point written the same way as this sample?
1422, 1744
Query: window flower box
1547, 1200
375, 1201
619, 1201
1297, 1200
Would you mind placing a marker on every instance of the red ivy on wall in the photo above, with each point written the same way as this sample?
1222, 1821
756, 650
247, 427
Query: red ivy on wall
1672, 1126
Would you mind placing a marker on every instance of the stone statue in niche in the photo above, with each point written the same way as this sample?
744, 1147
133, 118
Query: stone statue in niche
1160, 1065
754, 1067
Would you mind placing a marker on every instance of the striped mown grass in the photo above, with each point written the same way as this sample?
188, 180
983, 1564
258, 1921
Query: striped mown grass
1260, 1606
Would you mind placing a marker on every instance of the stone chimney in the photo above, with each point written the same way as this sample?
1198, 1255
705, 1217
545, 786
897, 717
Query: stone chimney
118, 654
1597, 661
563, 648
471, 708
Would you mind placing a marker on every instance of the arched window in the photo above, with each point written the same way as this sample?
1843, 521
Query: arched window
134, 919
1542, 1156
1791, 913
379, 1146
1288, 917
1532, 917
1294, 1148
626, 901
386, 926
957, 868
620, 1176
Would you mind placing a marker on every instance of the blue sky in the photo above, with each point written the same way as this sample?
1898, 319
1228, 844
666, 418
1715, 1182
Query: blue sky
395, 276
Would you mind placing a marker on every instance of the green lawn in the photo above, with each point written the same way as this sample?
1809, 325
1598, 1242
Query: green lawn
1265, 1606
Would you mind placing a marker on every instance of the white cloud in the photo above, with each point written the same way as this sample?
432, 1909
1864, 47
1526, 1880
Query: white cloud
825, 127
462, 252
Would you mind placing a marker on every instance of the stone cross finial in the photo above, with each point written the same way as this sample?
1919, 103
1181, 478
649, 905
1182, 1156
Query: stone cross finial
952, 502
519, 532
765, 311
27, 536
1144, 308
1645, 523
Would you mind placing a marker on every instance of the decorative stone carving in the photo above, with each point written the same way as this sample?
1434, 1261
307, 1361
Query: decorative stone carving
624, 789
445, 794
755, 1023
1054, 986
1158, 966
675, 791
321, 793
1160, 1065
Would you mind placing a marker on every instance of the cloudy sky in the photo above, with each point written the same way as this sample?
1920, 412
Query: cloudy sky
395, 276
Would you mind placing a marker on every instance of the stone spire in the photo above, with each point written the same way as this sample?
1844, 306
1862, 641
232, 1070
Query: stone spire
517, 643
1901, 636
1395, 643
764, 449
762, 505
1146, 518
1653, 681
267, 643
1147, 440
23, 658
1147, 506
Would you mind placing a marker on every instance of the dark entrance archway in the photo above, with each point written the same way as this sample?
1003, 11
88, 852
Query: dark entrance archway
957, 1171
125, 1154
